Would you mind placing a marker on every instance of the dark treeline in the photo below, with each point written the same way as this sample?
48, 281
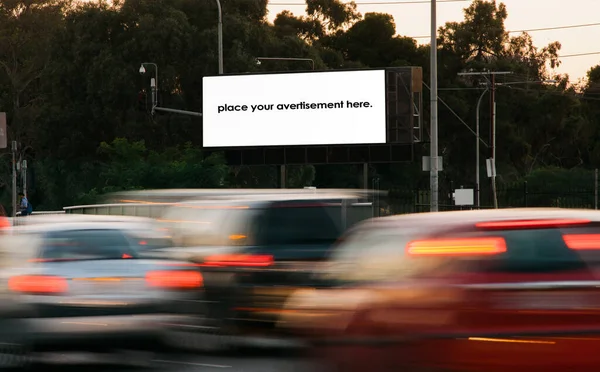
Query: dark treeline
78, 107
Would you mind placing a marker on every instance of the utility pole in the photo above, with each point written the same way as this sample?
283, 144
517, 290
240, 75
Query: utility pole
490, 78
433, 154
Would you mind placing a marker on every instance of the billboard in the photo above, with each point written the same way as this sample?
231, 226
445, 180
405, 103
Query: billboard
292, 109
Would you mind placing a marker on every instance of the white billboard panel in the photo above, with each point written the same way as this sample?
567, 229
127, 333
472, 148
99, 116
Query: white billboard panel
313, 108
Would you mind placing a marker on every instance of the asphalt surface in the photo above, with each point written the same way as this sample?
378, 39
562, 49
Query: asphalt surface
247, 361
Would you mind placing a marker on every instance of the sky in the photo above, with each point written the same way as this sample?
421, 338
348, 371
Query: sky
412, 18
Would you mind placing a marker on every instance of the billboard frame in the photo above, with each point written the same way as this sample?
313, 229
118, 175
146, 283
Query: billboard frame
397, 152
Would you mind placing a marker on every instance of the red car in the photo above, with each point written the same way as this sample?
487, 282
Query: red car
497, 290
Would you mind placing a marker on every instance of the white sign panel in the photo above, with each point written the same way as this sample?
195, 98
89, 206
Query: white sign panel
463, 197
314, 108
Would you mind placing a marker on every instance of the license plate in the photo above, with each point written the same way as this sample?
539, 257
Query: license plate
273, 291
109, 285
219, 279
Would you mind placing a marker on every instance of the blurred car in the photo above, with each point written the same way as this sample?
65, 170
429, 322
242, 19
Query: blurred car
464, 291
85, 286
253, 252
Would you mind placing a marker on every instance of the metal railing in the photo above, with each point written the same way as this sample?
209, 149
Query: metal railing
119, 209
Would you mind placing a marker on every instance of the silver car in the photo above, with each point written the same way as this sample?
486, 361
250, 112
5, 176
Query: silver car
86, 286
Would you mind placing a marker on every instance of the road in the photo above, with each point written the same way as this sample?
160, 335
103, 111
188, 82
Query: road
263, 361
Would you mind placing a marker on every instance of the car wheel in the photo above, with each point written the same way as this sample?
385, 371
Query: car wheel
15, 346
136, 358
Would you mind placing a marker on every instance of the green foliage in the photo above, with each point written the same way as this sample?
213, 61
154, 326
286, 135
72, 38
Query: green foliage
78, 107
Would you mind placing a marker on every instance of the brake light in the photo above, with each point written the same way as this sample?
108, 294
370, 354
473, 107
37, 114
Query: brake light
38, 284
4, 223
530, 224
244, 260
174, 279
582, 241
456, 247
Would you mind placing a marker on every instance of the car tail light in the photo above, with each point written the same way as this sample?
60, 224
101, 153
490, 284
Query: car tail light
241, 260
530, 224
582, 241
174, 279
4, 223
38, 284
457, 247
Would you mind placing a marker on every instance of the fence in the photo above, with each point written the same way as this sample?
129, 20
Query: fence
515, 195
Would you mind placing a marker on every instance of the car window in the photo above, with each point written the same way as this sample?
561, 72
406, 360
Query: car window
300, 223
538, 250
86, 245
193, 226
151, 239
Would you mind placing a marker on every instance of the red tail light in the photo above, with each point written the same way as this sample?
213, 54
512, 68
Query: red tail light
174, 279
4, 223
530, 224
456, 247
582, 241
38, 284
243, 260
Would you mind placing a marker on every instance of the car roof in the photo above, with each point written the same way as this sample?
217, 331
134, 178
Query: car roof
53, 227
177, 195
259, 199
447, 219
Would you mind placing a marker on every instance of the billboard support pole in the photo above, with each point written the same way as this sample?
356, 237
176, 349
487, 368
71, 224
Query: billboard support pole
282, 176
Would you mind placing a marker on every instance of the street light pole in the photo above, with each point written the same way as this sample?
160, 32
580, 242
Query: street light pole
154, 86
282, 170
312, 61
220, 36
433, 155
477, 139
153, 83
491, 86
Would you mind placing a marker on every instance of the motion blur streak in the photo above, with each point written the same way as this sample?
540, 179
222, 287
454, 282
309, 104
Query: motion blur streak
217, 274
510, 340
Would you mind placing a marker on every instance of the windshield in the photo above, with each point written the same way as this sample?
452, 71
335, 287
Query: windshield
208, 225
86, 245
297, 223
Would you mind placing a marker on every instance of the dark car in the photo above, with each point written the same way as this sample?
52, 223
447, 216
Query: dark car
253, 252
465, 291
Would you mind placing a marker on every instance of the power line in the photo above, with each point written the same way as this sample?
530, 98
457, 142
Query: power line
457, 116
384, 2
579, 54
462, 1
534, 29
